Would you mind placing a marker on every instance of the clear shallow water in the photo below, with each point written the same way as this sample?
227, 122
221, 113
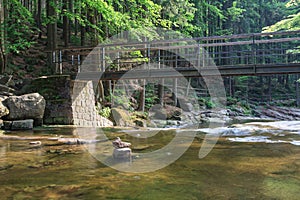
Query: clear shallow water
232, 170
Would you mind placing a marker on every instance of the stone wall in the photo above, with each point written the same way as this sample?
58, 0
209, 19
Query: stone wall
68, 102
83, 105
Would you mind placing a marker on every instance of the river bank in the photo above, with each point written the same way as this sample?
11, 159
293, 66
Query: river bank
56, 104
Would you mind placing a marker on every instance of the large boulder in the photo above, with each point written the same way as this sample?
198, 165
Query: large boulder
28, 106
121, 117
165, 112
185, 105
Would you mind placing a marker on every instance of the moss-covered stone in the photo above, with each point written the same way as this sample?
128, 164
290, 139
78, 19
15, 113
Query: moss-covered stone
121, 117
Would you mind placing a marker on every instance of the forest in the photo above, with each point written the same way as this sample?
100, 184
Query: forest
29, 28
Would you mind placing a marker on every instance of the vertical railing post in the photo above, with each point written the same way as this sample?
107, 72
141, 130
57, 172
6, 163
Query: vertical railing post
158, 59
72, 60
78, 63
60, 62
160, 84
203, 56
118, 61
149, 54
297, 91
254, 53
103, 60
55, 60
198, 55
176, 58
175, 92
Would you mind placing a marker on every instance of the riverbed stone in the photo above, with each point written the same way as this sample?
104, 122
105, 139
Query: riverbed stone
7, 125
185, 105
122, 153
22, 124
166, 112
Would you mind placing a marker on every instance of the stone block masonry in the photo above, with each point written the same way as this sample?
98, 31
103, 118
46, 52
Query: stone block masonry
83, 105
68, 102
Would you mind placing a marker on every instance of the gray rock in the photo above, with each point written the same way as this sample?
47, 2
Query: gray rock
121, 117
122, 153
28, 106
7, 125
185, 105
22, 124
165, 112
157, 112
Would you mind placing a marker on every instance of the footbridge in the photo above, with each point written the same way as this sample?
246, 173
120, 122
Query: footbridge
234, 55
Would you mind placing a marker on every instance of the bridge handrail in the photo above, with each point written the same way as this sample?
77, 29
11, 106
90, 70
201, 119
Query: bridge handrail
198, 39
247, 42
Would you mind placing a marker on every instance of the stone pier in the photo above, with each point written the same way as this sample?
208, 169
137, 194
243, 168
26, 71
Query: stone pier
68, 102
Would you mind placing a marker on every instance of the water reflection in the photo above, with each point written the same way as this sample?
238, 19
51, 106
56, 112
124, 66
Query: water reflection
232, 170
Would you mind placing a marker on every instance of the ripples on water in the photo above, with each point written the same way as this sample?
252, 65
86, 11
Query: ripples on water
253, 161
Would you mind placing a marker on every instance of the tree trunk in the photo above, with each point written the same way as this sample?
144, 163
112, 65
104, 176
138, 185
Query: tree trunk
65, 23
297, 91
71, 9
287, 86
95, 32
51, 35
175, 92
39, 18
161, 92
270, 88
83, 29
142, 97
2, 37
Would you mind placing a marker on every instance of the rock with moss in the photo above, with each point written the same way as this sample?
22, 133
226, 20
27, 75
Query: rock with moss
29, 106
121, 117
165, 112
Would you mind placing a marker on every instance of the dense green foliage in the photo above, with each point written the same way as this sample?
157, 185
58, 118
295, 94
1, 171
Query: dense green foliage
57, 23
104, 18
291, 20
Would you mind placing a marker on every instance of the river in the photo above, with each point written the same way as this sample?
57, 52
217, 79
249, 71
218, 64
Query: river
249, 161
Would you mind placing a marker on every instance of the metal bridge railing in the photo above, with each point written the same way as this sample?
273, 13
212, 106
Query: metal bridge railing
245, 50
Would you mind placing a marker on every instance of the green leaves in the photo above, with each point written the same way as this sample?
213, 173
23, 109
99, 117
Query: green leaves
234, 12
18, 26
291, 22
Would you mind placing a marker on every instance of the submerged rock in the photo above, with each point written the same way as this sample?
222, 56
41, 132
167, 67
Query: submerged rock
123, 153
22, 124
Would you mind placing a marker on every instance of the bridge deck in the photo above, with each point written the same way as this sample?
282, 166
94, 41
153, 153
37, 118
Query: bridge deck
191, 72
236, 55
